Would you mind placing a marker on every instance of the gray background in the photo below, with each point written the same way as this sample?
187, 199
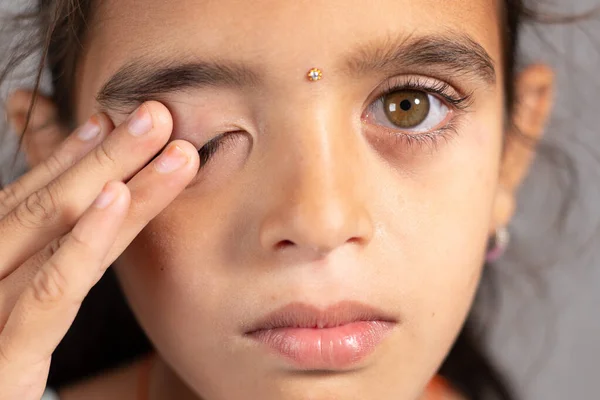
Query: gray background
546, 333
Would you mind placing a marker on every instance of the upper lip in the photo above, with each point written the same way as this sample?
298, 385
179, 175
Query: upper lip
302, 315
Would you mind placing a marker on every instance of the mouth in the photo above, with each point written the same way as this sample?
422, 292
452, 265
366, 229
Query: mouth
336, 338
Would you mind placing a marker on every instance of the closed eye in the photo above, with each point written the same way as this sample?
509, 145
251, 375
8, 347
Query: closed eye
215, 145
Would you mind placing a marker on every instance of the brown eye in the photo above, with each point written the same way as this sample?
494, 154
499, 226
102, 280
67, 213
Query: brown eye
407, 108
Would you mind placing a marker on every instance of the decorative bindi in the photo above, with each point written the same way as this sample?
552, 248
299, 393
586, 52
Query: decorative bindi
314, 75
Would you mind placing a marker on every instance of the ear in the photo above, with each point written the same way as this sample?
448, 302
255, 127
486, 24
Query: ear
533, 104
44, 133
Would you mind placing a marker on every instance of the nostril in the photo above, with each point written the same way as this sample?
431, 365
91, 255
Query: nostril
355, 240
283, 244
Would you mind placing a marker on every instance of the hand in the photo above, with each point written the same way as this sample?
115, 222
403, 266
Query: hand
65, 221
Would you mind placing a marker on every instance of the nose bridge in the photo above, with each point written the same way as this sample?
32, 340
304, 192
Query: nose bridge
321, 203
319, 153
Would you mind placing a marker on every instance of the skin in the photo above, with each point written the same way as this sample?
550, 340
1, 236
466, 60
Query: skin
411, 241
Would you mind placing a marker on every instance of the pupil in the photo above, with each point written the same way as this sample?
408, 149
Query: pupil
405, 105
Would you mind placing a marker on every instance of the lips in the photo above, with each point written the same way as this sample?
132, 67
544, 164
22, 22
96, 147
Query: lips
332, 339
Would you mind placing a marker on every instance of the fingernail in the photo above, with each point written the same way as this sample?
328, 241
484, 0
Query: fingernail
89, 130
173, 158
140, 122
106, 197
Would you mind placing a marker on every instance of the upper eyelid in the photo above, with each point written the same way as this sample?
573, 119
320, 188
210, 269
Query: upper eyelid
398, 82
424, 81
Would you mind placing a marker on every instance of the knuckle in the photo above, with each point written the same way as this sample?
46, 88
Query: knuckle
49, 284
104, 155
68, 208
8, 197
59, 242
52, 247
39, 209
78, 242
5, 354
41, 257
55, 165
4, 200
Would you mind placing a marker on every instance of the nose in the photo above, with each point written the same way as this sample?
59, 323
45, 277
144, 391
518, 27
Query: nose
318, 189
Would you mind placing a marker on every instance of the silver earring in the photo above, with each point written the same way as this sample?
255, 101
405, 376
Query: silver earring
498, 244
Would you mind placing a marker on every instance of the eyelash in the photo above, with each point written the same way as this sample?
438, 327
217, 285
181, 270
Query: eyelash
207, 151
429, 140
453, 100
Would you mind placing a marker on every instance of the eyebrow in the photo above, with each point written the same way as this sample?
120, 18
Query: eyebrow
147, 78
449, 55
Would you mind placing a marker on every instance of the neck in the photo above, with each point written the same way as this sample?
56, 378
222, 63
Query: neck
164, 384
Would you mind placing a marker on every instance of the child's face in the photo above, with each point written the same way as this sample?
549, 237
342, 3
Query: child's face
316, 199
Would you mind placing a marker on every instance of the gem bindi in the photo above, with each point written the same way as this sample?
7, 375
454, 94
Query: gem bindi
314, 75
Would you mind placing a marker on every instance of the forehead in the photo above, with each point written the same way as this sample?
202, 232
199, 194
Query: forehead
282, 36
310, 26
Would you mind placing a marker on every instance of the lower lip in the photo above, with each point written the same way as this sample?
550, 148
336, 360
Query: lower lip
328, 348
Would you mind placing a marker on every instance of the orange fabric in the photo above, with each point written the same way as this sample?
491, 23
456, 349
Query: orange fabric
438, 389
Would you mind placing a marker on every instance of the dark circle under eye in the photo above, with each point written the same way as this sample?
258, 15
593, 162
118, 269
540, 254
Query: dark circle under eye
407, 108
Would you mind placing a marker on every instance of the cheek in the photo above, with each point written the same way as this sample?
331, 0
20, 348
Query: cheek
172, 270
175, 280
438, 235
